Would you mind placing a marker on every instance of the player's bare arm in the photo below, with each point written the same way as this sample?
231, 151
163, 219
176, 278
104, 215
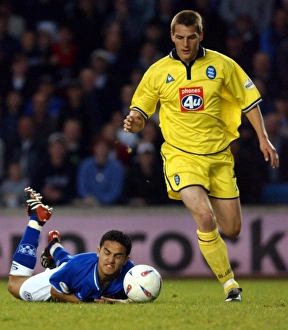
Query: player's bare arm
268, 150
134, 122
105, 300
58, 296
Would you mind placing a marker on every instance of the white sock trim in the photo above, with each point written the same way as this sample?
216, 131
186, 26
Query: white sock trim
20, 270
54, 247
35, 225
228, 283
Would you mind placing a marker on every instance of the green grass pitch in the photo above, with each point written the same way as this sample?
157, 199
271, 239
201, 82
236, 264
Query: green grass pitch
183, 305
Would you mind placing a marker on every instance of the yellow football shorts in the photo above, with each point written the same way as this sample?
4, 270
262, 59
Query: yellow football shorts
215, 173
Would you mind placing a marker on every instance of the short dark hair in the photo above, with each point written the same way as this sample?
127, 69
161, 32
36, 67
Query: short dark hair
119, 237
187, 18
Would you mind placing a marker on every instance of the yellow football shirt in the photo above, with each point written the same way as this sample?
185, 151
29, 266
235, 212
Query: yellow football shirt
201, 104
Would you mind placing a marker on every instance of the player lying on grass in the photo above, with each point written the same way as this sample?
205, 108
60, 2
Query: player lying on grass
85, 277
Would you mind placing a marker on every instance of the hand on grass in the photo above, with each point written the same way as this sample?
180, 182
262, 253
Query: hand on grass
105, 300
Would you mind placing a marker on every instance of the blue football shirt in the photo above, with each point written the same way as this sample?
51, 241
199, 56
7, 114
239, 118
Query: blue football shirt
80, 277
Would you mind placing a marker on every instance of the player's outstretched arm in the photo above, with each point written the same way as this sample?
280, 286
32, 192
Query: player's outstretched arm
63, 297
134, 122
105, 300
268, 150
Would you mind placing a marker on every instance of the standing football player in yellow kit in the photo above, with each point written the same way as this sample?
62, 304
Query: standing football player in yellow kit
202, 95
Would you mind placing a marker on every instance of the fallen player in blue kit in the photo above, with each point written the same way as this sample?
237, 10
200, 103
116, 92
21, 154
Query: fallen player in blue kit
85, 277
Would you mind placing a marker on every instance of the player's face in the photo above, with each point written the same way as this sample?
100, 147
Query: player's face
186, 40
112, 256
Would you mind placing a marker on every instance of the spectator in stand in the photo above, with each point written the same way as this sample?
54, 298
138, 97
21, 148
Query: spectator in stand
20, 78
99, 62
35, 11
250, 37
214, 38
281, 109
275, 189
12, 110
100, 180
144, 183
275, 33
104, 79
53, 174
11, 189
16, 24
54, 102
246, 154
23, 146
126, 93
151, 133
44, 123
29, 49
267, 104
47, 86
261, 66
258, 10
50, 26
281, 65
271, 42
149, 54
76, 148
64, 54
44, 41
130, 140
4, 69
284, 4
74, 107
87, 79
119, 58
73, 104
262, 69
86, 21
104, 7
234, 48
154, 33
135, 76
165, 11
144, 10
118, 150
94, 110
9, 45
98, 101
273, 123
130, 22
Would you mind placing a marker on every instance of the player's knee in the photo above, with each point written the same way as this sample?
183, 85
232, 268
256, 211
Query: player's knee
14, 287
206, 220
232, 232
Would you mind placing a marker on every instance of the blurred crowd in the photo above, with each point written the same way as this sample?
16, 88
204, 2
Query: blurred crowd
69, 69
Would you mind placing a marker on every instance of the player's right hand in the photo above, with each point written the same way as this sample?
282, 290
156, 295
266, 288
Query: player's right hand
105, 300
134, 122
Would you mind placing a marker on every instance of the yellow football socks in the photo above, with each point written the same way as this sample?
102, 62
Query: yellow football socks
214, 251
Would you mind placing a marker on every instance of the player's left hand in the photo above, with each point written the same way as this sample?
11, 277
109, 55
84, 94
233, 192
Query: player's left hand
270, 152
105, 300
